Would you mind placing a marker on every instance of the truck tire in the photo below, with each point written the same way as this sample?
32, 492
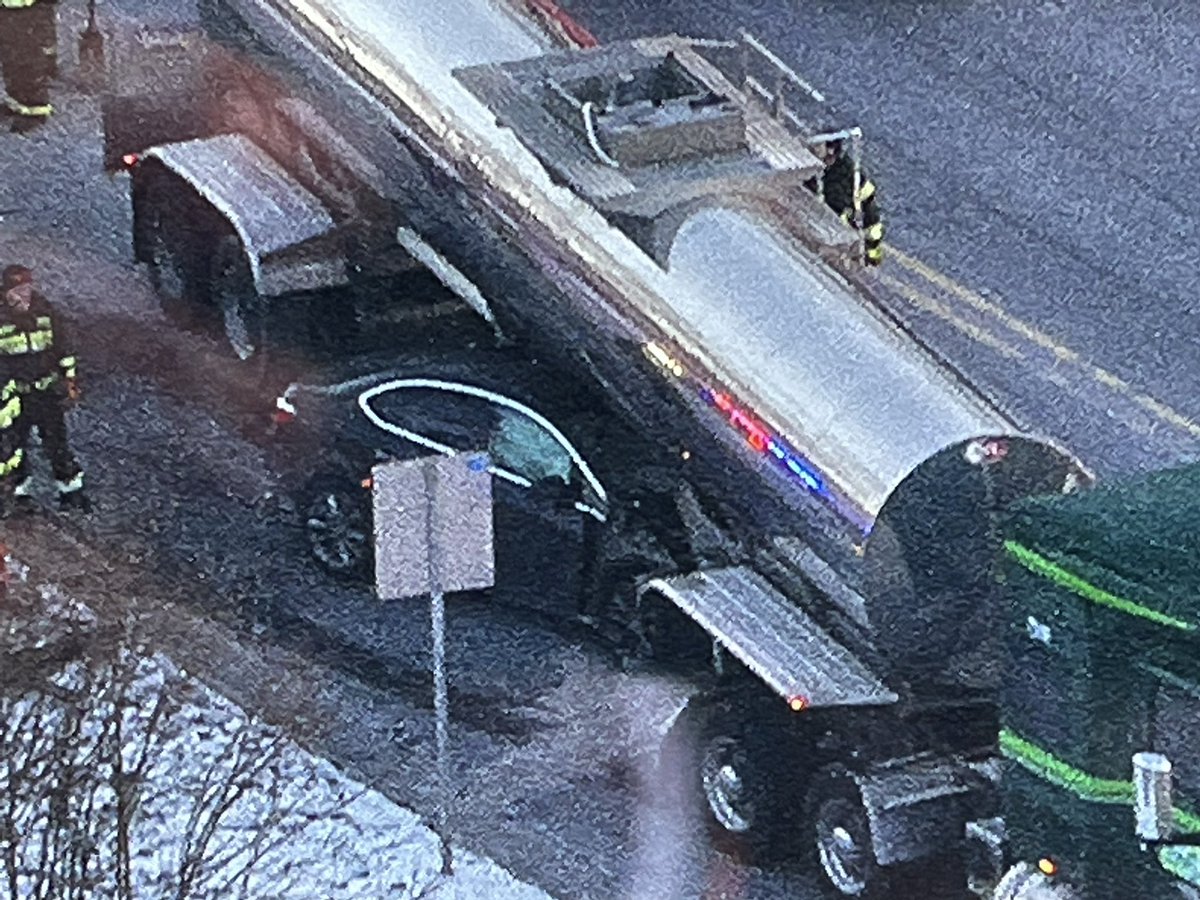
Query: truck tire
172, 235
167, 273
171, 267
335, 513
197, 266
839, 847
841, 835
712, 777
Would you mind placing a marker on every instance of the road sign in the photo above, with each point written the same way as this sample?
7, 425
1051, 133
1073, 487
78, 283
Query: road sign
433, 523
433, 533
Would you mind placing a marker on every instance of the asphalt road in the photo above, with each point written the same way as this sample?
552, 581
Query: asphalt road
1040, 158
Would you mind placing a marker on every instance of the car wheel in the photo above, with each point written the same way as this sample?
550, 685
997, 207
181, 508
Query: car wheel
337, 520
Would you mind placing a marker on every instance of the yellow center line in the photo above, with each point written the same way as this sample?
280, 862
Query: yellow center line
1035, 335
928, 303
1027, 331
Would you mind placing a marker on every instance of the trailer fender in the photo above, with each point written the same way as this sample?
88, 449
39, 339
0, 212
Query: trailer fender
290, 239
772, 637
805, 217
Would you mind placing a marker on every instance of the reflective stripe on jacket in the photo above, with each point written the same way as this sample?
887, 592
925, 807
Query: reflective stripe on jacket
14, 341
39, 110
10, 408
10, 465
30, 347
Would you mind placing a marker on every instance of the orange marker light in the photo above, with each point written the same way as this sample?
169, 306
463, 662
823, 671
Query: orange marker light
368, 482
798, 703
1047, 867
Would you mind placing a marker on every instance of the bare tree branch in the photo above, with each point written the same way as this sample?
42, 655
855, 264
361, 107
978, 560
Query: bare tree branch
121, 777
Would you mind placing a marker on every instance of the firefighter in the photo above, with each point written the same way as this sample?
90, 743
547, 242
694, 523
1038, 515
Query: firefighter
34, 353
838, 188
28, 49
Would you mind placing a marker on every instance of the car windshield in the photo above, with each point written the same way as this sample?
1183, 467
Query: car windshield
523, 446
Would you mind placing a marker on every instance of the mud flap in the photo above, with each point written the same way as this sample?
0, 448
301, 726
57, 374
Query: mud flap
919, 808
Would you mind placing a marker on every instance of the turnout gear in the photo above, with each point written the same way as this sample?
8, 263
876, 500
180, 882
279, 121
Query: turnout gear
11, 451
34, 355
837, 186
10, 447
28, 48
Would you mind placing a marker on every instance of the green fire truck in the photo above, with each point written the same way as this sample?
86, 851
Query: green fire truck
1103, 639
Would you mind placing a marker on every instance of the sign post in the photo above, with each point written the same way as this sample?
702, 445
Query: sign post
433, 534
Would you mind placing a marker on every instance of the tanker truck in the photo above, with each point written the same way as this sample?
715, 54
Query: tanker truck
640, 214
1101, 628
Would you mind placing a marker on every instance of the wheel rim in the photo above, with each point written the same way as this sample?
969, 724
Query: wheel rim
336, 535
725, 788
168, 270
843, 857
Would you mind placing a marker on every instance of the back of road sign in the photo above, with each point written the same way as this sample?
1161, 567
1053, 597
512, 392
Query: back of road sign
433, 526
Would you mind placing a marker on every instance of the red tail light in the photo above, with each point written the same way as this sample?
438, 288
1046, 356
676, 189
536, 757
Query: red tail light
130, 160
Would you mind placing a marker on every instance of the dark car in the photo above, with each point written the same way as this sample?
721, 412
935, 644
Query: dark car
574, 490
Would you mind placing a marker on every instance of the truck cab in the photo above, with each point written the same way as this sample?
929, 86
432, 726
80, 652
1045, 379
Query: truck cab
1101, 627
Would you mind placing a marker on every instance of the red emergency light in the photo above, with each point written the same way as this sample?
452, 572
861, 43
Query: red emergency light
758, 437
